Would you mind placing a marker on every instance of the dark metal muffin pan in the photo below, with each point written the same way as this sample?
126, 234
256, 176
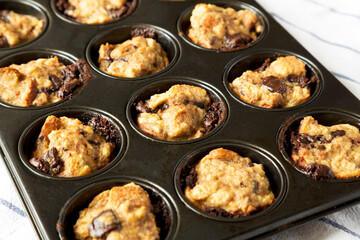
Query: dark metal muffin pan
153, 164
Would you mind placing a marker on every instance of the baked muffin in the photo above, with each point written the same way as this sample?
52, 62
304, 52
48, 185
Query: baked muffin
225, 184
95, 11
140, 56
119, 213
16, 29
278, 84
182, 113
42, 81
66, 147
226, 29
325, 152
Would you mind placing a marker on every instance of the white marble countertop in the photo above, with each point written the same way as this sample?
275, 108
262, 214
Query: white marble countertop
330, 30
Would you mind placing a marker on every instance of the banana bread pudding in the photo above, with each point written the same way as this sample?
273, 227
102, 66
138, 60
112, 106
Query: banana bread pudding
95, 11
140, 56
16, 28
326, 152
123, 212
225, 184
226, 29
278, 84
183, 112
66, 147
42, 81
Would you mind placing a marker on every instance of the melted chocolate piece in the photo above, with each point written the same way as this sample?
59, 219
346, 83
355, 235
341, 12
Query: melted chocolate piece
274, 84
4, 15
94, 143
50, 162
337, 133
214, 116
74, 76
256, 186
213, 40
117, 13
64, 6
103, 126
3, 42
219, 212
236, 41
319, 171
40, 165
144, 32
264, 66
303, 81
103, 224
143, 107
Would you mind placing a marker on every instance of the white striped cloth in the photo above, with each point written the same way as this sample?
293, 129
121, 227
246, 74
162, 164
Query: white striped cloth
330, 30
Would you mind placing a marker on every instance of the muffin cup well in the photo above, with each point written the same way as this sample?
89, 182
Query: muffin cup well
162, 86
325, 117
165, 210
27, 8
183, 23
33, 54
28, 138
121, 34
273, 170
70, 20
236, 67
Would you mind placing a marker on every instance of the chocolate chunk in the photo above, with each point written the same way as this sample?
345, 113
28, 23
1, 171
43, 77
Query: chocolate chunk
214, 116
256, 186
94, 143
49, 163
274, 84
319, 171
40, 164
191, 178
3, 42
236, 41
117, 13
73, 76
213, 40
219, 212
250, 164
56, 83
264, 66
103, 224
143, 107
144, 32
123, 11
303, 81
63, 6
4, 15
103, 126
305, 140
337, 133
199, 104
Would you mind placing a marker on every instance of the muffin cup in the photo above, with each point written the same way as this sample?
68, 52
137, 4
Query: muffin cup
26, 8
325, 117
28, 139
273, 170
183, 23
33, 54
69, 20
236, 67
165, 212
162, 86
121, 34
